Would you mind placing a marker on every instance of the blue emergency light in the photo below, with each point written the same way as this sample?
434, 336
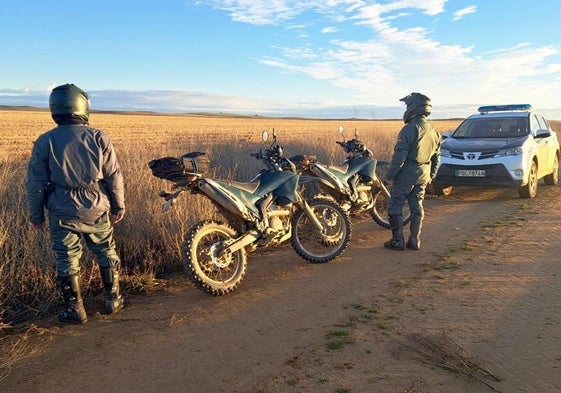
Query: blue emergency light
499, 108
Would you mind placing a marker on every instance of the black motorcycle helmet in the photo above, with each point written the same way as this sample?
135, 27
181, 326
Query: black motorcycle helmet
69, 105
417, 105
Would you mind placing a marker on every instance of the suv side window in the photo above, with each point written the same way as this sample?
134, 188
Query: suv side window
534, 124
544, 125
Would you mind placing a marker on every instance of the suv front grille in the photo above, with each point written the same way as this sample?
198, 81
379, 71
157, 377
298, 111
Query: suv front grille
482, 156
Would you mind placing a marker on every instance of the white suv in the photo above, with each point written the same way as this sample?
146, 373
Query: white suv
501, 146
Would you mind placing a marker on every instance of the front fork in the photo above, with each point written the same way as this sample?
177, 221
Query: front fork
310, 213
384, 189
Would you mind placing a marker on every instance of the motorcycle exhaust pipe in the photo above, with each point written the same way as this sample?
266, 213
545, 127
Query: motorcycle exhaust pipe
245, 240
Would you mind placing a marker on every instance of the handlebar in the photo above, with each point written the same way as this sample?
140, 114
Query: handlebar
274, 159
353, 146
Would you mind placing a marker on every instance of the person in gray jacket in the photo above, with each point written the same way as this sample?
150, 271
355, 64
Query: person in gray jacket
74, 173
414, 163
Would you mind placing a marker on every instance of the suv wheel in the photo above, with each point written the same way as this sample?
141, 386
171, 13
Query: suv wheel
530, 190
442, 190
553, 178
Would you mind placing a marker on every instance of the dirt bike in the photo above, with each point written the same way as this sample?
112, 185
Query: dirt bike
355, 186
264, 212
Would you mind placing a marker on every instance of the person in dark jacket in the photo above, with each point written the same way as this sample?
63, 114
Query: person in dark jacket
414, 163
74, 173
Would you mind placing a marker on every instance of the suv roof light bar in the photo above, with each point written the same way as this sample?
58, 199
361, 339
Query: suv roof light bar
498, 108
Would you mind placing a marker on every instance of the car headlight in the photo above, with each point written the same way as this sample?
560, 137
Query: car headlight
445, 153
515, 151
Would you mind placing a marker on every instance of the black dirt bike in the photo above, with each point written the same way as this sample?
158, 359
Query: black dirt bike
355, 186
264, 212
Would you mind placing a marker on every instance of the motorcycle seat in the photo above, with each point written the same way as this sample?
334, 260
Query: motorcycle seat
249, 187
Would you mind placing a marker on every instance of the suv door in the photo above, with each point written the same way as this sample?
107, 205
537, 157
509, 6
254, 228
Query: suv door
543, 144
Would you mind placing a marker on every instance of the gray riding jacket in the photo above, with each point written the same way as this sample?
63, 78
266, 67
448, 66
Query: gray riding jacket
74, 173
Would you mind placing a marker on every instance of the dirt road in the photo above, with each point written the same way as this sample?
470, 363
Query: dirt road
478, 309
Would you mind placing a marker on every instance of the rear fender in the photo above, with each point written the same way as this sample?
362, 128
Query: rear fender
227, 199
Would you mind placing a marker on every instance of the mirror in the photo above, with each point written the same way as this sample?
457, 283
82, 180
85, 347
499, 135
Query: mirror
265, 135
543, 133
341, 129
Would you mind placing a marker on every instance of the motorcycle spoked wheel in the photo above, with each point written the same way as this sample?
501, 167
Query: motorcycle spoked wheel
321, 248
214, 274
379, 211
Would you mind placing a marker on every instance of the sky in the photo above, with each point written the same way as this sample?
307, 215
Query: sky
316, 58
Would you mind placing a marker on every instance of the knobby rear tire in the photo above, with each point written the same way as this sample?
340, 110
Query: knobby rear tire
314, 247
215, 275
379, 211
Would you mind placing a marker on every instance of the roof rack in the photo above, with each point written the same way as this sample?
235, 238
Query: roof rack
498, 108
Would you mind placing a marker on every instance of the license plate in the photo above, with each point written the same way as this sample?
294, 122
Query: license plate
470, 172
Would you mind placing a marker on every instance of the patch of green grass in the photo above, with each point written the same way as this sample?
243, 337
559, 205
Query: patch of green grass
338, 333
338, 339
445, 257
334, 345
368, 309
466, 247
448, 266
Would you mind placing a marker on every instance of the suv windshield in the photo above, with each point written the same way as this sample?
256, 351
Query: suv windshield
496, 127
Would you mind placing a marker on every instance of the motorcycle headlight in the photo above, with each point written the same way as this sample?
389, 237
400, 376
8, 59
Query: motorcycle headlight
515, 151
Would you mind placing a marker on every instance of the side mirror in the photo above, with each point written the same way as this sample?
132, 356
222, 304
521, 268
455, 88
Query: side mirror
543, 133
446, 135
265, 135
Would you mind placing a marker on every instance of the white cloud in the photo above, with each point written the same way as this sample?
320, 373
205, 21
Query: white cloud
398, 60
274, 12
463, 12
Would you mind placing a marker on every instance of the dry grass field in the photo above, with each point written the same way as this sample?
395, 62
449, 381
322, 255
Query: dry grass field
149, 241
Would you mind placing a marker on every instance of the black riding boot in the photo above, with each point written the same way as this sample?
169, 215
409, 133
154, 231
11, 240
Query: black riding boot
114, 301
75, 312
397, 242
414, 241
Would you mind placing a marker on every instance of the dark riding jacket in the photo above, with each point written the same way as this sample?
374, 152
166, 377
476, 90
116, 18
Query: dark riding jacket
74, 173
